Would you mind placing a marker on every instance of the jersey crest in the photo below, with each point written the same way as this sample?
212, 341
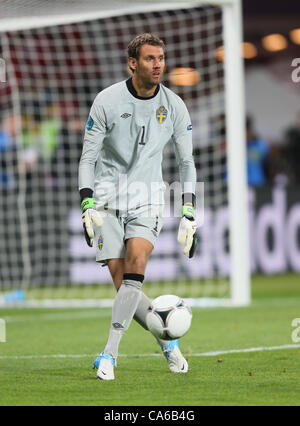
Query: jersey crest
161, 114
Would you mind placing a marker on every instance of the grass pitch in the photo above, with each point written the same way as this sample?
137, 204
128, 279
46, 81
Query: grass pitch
48, 356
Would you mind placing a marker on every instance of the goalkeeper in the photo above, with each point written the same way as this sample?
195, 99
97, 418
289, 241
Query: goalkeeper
128, 127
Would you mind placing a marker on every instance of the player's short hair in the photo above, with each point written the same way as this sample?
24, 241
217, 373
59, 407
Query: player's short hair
134, 47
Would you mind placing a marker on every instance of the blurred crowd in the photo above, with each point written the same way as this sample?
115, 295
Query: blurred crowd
44, 150
267, 163
48, 150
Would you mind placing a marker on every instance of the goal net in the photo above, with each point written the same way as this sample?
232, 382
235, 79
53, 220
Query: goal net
54, 60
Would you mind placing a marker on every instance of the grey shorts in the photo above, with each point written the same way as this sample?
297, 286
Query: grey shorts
116, 229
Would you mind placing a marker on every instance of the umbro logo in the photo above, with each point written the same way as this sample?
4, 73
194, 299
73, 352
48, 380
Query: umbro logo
125, 115
117, 325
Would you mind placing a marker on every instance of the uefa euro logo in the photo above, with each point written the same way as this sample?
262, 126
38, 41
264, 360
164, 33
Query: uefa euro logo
90, 123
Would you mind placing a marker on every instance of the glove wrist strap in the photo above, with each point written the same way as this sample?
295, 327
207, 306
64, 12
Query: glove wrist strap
87, 203
188, 197
188, 212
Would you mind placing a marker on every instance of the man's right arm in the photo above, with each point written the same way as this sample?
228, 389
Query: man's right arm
93, 138
94, 134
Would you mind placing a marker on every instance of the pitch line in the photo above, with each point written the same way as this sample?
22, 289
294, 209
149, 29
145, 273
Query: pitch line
259, 349
203, 354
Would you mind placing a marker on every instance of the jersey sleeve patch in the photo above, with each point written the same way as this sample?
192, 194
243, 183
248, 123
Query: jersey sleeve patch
189, 127
89, 123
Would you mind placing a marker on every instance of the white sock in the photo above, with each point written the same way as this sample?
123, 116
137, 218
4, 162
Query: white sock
124, 307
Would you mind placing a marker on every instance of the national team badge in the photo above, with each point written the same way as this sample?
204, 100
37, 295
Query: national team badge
100, 242
161, 114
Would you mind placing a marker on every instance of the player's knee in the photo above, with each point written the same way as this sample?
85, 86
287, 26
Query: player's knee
136, 263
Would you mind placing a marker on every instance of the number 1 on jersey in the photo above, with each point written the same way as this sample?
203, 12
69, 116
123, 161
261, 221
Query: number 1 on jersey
143, 134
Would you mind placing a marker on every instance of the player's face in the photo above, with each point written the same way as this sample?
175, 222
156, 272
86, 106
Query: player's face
150, 65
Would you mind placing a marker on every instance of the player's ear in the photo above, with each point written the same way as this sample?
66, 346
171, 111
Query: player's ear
129, 70
132, 63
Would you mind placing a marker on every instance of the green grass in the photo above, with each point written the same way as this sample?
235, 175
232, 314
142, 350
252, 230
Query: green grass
287, 285
254, 378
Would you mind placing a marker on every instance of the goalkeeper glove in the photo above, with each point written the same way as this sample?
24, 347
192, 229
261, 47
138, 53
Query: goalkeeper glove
90, 217
186, 232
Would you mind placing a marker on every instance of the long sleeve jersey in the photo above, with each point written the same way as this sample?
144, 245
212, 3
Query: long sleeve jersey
124, 141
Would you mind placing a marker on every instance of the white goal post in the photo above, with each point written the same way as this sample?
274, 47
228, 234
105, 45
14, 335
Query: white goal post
24, 17
236, 153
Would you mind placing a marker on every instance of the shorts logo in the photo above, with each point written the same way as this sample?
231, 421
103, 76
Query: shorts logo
189, 127
161, 114
90, 123
100, 242
125, 115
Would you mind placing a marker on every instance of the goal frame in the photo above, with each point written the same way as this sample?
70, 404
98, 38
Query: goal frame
240, 277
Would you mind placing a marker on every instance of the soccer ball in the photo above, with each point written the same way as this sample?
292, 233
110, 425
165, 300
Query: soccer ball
169, 317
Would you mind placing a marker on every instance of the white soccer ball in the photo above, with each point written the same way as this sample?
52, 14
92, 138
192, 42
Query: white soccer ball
169, 317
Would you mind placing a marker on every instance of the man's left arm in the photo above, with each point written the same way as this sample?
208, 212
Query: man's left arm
183, 145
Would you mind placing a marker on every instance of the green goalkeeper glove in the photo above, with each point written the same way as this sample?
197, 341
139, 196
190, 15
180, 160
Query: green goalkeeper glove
90, 217
187, 229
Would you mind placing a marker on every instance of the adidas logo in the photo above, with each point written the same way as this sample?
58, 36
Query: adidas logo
125, 115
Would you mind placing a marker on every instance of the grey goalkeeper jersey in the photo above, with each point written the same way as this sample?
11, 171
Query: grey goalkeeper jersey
123, 145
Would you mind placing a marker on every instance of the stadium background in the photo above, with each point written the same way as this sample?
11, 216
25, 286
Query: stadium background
237, 356
58, 71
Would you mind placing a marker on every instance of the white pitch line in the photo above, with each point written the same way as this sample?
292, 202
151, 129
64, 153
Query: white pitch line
63, 316
259, 349
203, 354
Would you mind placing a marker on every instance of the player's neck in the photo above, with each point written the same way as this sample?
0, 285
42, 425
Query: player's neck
141, 90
